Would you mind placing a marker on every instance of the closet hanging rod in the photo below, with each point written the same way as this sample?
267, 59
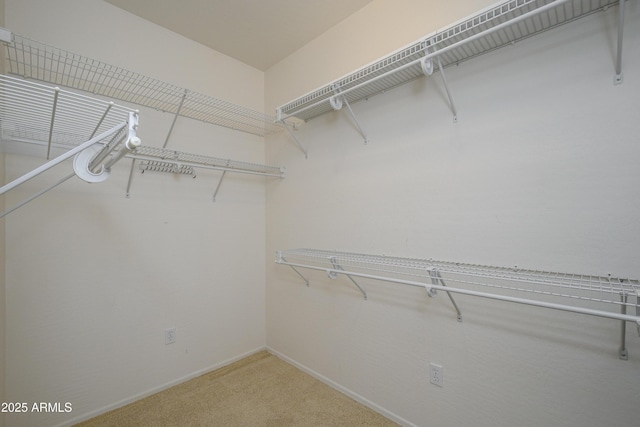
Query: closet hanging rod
583, 294
34, 60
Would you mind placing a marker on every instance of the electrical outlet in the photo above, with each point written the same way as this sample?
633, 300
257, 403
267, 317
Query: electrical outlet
169, 336
436, 374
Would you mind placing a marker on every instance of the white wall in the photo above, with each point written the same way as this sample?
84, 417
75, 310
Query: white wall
539, 172
93, 278
2, 257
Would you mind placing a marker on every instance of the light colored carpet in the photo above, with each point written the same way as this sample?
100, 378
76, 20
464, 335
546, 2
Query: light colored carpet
260, 390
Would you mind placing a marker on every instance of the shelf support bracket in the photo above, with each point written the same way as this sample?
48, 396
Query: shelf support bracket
173, 123
436, 279
638, 312
617, 79
622, 352
104, 115
215, 193
333, 274
133, 164
336, 103
295, 139
298, 273
427, 69
280, 259
53, 117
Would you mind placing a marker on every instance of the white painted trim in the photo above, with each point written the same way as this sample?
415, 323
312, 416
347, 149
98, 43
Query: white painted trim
155, 390
355, 396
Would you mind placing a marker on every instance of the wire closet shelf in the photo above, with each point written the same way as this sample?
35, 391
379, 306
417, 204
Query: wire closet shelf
43, 115
34, 60
603, 296
98, 133
489, 29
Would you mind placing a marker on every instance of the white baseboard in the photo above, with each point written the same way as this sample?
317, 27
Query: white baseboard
155, 390
355, 396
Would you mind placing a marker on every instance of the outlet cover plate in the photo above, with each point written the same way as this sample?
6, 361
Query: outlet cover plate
436, 374
169, 336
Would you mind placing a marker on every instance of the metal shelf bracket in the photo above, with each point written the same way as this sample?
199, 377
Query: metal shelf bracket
215, 193
426, 63
295, 138
638, 312
337, 268
281, 260
175, 118
336, 103
622, 352
436, 279
617, 79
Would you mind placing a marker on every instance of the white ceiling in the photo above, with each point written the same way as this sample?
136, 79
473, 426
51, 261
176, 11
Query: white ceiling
257, 32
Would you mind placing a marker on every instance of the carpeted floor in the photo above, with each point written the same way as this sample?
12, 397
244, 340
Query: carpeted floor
260, 390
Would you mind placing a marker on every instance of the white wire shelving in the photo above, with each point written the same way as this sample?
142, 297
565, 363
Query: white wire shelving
34, 60
95, 132
500, 25
602, 296
155, 159
39, 114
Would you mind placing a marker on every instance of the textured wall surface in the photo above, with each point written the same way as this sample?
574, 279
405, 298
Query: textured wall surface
93, 278
538, 172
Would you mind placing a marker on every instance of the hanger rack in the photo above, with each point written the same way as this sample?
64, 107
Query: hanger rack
602, 296
494, 27
155, 159
34, 60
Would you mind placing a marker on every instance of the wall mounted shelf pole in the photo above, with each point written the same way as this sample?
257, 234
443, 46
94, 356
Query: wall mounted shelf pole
436, 279
128, 193
618, 77
337, 101
53, 117
334, 275
446, 87
284, 261
574, 293
175, 117
624, 355
295, 138
215, 193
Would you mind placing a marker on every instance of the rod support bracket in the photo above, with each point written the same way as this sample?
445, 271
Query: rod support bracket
337, 268
336, 102
295, 138
436, 280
